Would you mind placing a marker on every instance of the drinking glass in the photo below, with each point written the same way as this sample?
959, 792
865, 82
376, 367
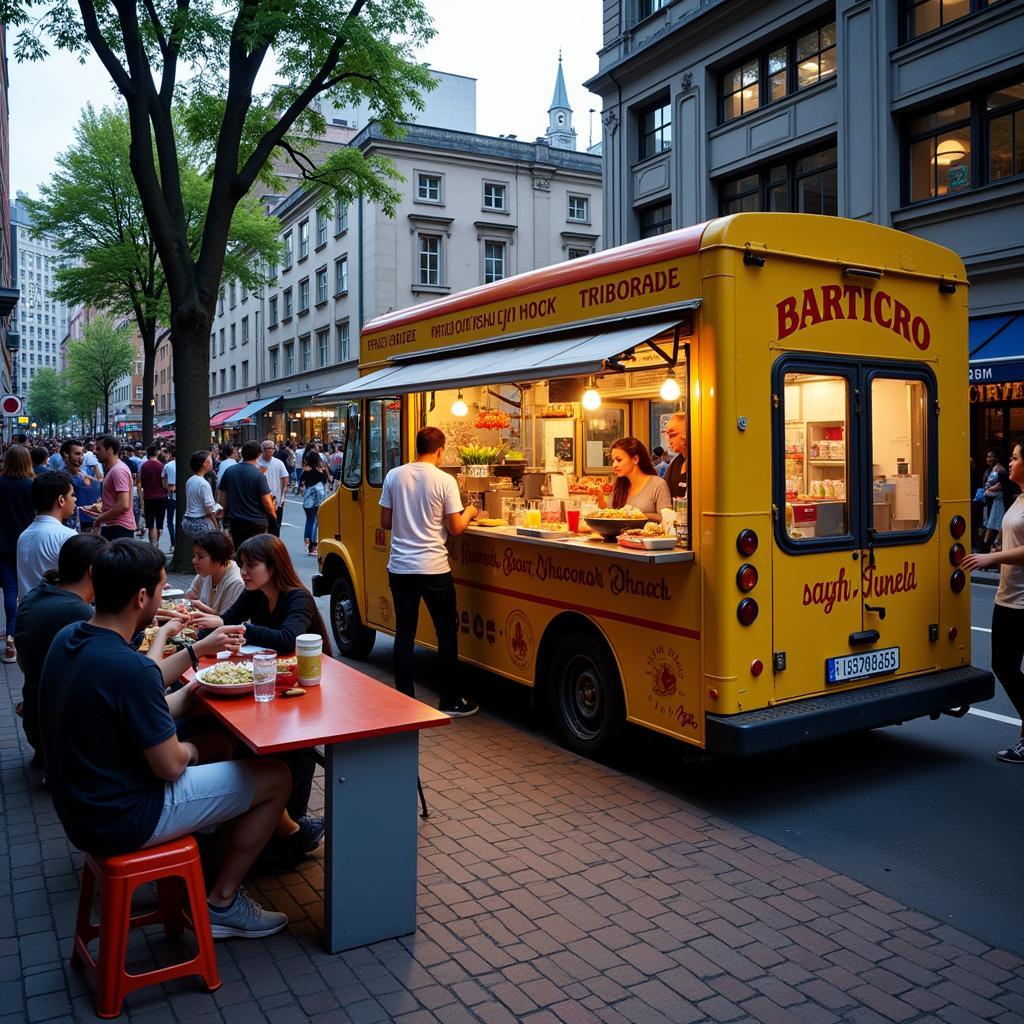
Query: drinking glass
572, 517
264, 675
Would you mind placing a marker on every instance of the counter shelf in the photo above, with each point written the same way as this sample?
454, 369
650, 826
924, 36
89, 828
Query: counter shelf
602, 549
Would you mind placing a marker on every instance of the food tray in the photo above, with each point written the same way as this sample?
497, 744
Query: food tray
541, 534
610, 528
648, 543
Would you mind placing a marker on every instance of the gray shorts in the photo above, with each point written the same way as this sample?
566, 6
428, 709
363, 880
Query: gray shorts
202, 796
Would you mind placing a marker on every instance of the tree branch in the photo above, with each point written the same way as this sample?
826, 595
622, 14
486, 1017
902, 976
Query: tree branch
94, 34
154, 20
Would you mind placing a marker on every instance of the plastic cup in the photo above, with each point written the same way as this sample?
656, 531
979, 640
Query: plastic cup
532, 518
264, 676
309, 649
572, 517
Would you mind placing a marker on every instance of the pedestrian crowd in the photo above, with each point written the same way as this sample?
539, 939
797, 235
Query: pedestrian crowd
129, 758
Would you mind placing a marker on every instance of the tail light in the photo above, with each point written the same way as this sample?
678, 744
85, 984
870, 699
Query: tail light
953, 633
957, 527
746, 577
746, 543
958, 581
747, 611
756, 667
956, 554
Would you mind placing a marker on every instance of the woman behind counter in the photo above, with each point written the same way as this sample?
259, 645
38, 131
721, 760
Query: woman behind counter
636, 480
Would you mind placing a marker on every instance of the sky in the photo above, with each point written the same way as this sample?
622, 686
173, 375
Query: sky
510, 49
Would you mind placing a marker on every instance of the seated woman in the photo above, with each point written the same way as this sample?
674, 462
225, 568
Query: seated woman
218, 583
275, 608
636, 480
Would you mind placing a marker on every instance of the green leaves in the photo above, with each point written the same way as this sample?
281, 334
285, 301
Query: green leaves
47, 401
97, 362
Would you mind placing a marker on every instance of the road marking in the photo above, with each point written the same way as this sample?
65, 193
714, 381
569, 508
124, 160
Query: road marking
996, 718
981, 629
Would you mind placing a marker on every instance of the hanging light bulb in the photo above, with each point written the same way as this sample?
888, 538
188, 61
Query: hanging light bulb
591, 397
459, 407
670, 387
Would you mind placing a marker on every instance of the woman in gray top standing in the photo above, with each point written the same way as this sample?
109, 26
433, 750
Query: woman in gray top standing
636, 480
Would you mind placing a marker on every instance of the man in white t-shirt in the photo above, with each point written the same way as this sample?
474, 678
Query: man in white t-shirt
53, 498
91, 463
421, 506
278, 480
170, 481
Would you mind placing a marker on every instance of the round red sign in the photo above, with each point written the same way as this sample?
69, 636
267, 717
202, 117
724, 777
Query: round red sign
10, 405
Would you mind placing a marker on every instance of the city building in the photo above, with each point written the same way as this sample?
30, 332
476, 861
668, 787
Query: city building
40, 320
8, 290
473, 209
126, 398
909, 114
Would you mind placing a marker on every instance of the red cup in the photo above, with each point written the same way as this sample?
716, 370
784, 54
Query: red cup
572, 517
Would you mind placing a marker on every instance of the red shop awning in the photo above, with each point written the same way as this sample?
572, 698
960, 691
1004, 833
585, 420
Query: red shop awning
224, 414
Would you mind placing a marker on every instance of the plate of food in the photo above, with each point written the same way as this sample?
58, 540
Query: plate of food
610, 522
653, 537
546, 531
226, 677
490, 522
174, 644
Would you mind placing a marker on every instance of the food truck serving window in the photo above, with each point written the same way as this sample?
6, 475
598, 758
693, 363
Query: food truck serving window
383, 438
352, 470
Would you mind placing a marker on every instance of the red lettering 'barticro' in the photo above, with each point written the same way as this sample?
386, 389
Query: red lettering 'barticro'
851, 302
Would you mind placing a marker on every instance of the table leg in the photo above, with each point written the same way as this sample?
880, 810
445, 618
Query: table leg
370, 855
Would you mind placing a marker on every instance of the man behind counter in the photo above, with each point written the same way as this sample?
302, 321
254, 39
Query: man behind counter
675, 476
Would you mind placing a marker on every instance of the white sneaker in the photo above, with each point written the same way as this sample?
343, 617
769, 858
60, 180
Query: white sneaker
244, 918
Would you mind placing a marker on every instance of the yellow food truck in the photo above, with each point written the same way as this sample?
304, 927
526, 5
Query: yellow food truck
808, 582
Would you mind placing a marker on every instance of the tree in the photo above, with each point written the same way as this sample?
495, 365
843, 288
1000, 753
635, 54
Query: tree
92, 208
47, 402
96, 363
207, 57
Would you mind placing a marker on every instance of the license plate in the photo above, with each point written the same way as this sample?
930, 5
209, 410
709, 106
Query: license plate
861, 666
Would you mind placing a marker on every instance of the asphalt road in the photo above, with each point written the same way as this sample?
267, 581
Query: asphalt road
922, 812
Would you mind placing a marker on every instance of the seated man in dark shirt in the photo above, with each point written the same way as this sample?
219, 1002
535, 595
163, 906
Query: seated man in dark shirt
121, 779
44, 611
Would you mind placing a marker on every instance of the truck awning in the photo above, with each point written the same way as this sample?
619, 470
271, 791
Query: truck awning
574, 355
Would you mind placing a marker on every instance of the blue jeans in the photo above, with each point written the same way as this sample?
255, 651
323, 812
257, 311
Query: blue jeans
309, 533
9, 580
172, 516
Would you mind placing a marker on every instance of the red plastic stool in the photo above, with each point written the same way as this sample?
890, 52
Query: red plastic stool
169, 865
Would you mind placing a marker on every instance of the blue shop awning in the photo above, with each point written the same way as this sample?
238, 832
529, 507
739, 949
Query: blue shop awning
997, 348
252, 409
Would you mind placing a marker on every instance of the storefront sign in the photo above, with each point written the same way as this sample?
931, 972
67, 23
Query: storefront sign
318, 414
1005, 391
851, 302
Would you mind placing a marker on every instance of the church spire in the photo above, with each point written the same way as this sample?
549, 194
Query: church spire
560, 133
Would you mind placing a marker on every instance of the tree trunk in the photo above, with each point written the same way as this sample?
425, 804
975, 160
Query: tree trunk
190, 329
148, 332
106, 411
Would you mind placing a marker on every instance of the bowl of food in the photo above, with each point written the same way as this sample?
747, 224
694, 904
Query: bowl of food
229, 677
610, 522
287, 671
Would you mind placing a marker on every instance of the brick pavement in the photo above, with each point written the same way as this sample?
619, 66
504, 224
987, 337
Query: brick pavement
553, 890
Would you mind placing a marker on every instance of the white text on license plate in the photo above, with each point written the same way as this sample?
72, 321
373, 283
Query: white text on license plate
860, 666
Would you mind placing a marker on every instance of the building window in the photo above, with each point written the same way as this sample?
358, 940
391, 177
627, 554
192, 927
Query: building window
428, 188
303, 239
272, 272
234, 342
778, 71
220, 303
275, 363
321, 285
645, 8
245, 293
430, 259
289, 250
807, 183
341, 340
494, 261
234, 379
579, 208
213, 383
1004, 131
272, 311
323, 346
921, 16
304, 295
245, 330
304, 354
221, 337
575, 254
213, 344
245, 373
341, 275
340, 217
289, 359
494, 196
286, 310
231, 295
655, 129
939, 148
321, 228
138, 394
223, 380
655, 220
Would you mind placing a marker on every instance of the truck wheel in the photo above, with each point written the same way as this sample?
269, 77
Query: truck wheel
585, 695
353, 639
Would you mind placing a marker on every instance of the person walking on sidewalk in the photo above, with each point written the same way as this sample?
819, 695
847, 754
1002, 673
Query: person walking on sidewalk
169, 478
1008, 610
278, 479
16, 512
421, 506
154, 495
117, 518
248, 506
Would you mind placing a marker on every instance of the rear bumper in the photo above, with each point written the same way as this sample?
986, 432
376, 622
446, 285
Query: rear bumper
321, 585
756, 732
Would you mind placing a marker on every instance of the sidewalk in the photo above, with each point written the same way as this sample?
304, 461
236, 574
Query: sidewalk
552, 891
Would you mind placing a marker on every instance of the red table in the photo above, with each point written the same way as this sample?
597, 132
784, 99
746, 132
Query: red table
371, 735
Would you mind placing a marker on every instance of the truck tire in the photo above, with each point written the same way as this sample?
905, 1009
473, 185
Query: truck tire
352, 638
585, 695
